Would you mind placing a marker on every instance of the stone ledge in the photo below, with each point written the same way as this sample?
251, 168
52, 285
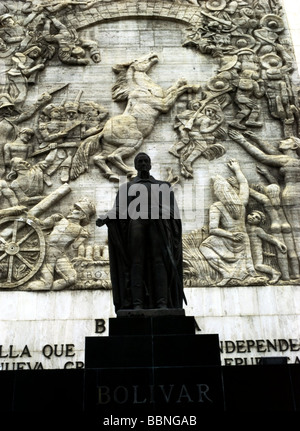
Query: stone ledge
151, 312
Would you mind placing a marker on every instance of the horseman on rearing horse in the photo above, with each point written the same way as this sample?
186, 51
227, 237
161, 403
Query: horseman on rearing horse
123, 134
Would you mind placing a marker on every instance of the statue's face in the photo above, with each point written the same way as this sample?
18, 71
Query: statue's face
143, 163
210, 113
287, 144
35, 53
72, 115
8, 22
254, 219
21, 165
25, 136
56, 114
76, 213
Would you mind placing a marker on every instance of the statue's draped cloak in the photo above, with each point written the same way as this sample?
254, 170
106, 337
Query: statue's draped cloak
170, 233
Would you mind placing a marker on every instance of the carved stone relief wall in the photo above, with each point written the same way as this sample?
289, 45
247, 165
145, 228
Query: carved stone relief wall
208, 88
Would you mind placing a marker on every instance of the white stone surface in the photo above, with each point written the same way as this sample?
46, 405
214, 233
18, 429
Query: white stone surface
292, 9
65, 318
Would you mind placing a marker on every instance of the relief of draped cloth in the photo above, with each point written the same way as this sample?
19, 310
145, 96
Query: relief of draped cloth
230, 257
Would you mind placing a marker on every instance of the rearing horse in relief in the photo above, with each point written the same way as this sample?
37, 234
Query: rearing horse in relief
122, 135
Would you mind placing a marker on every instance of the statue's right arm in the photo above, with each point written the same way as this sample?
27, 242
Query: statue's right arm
268, 159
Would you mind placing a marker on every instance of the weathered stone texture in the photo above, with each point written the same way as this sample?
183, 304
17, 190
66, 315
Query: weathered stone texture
243, 60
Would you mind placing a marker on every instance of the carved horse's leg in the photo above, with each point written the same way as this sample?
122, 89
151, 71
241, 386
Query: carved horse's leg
123, 152
100, 161
175, 91
121, 139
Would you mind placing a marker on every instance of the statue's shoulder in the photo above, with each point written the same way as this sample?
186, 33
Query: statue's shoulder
160, 182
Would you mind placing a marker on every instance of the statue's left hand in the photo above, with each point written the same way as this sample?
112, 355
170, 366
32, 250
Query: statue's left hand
100, 222
233, 164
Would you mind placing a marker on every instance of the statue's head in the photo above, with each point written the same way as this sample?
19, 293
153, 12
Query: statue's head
142, 162
83, 210
256, 218
291, 143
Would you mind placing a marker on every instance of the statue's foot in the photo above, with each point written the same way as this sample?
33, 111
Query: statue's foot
289, 120
37, 286
131, 174
186, 174
237, 125
174, 152
188, 167
114, 178
223, 282
254, 123
275, 278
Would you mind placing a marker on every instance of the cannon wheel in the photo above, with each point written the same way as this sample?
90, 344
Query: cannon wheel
22, 250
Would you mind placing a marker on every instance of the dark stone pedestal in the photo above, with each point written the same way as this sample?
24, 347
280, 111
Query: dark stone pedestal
153, 366
156, 372
152, 342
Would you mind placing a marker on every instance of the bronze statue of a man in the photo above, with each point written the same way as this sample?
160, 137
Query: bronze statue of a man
144, 234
